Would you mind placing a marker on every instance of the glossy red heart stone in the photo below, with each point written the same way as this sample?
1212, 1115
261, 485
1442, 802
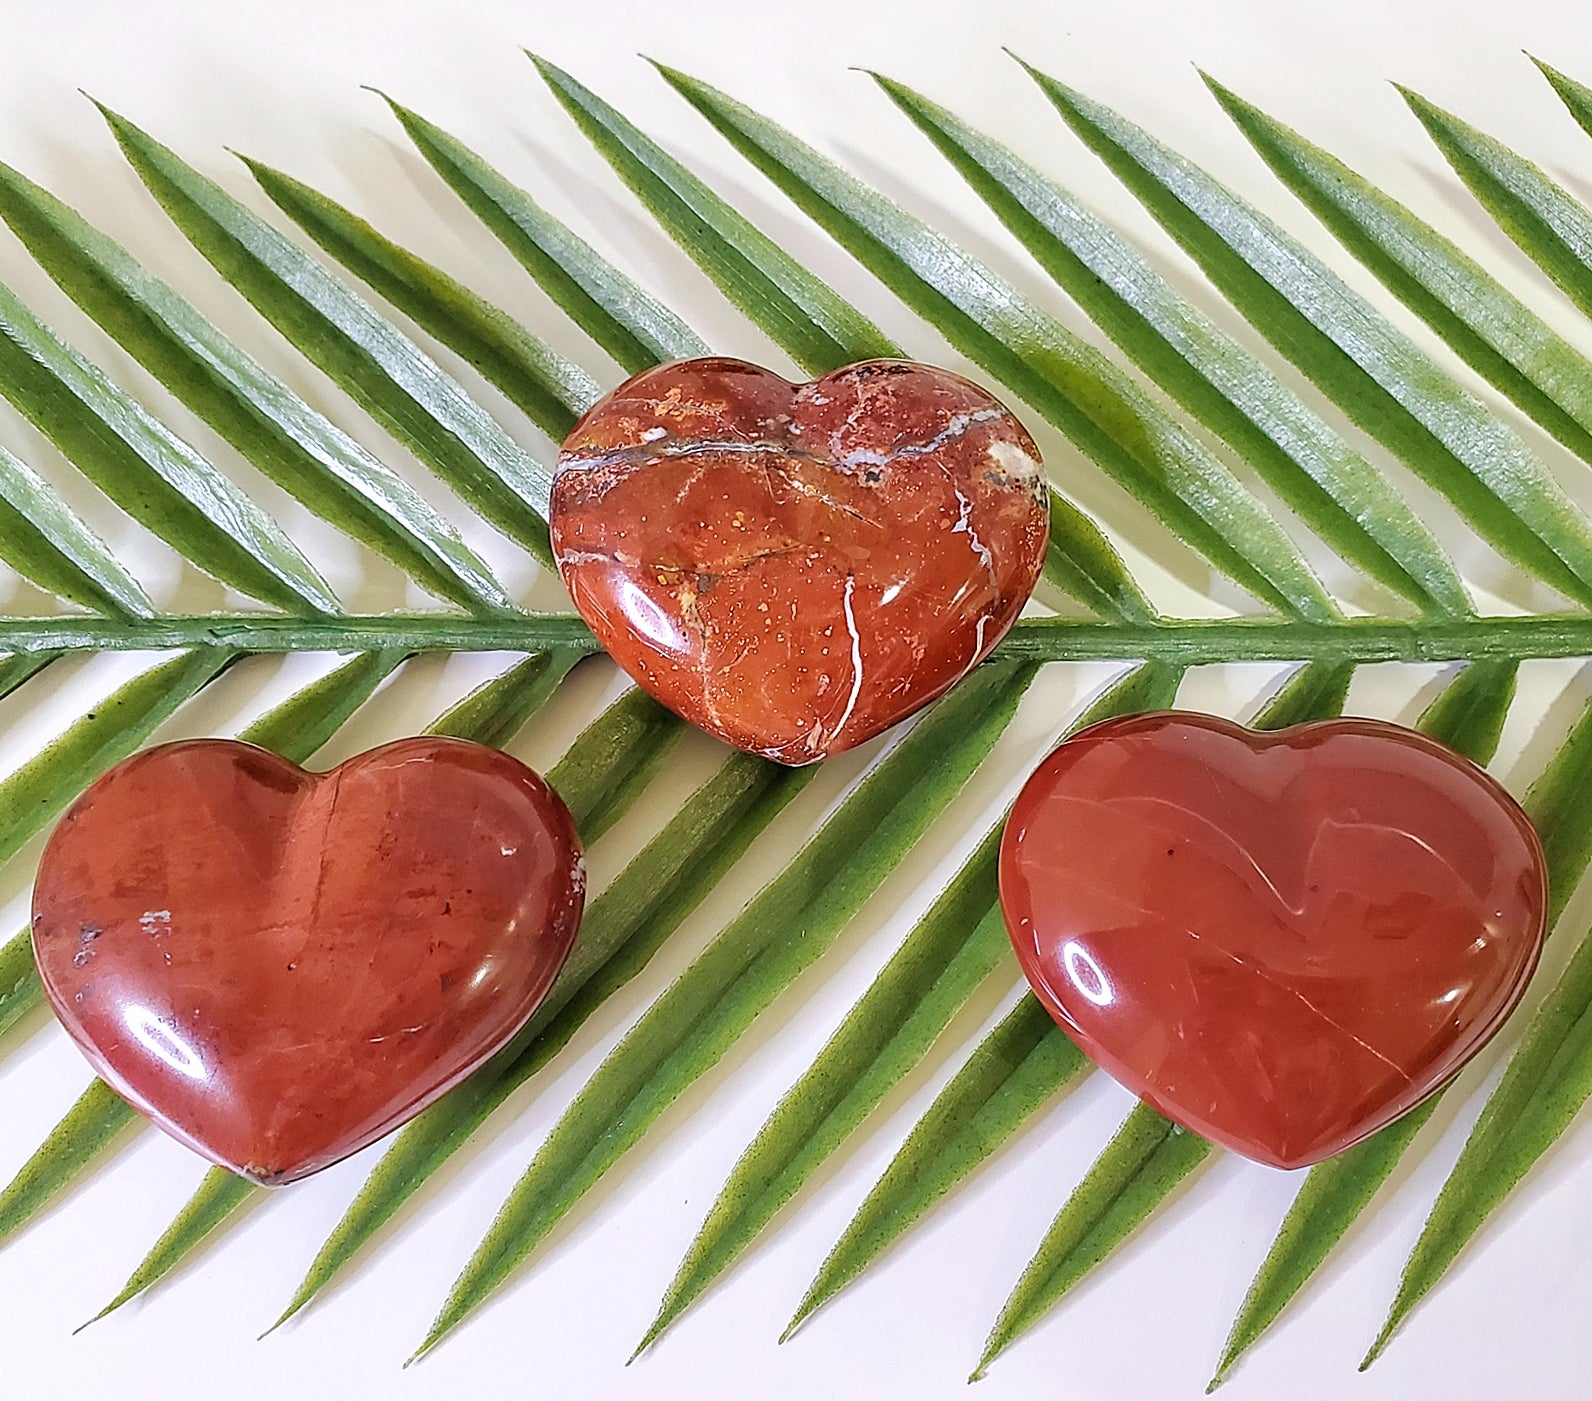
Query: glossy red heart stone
1282, 941
278, 967
795, 568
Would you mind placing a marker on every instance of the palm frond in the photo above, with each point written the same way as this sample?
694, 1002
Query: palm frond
1208, 449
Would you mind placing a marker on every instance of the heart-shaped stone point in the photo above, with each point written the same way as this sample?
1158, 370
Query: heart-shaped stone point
278, 967
795, 568
1282, 941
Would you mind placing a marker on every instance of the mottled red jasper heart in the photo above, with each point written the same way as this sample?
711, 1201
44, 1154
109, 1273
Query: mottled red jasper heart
277, 966
795, 568
1282, 941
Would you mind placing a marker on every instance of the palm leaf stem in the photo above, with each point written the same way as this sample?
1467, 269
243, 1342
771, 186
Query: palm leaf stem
1179, 641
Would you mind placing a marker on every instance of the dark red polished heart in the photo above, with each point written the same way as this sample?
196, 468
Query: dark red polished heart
796, 568
277, 966
1283, 941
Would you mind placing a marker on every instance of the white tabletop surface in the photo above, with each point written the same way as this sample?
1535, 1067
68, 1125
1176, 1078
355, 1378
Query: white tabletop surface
282, 82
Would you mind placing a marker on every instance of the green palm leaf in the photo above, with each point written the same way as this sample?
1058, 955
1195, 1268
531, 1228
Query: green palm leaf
1550, 226
786, 927
148, 471
623, 318
43, 540
549, 389
395, 381
1330, 486
274, 429
948, 955
1188, 450
1375, 373
1479, 318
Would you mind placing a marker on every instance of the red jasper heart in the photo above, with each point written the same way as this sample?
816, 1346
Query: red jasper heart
796, 568
1281, 941
277, 966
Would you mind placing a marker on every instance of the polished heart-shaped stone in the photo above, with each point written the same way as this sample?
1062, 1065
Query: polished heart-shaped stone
795, 568
1282, 941
277, 966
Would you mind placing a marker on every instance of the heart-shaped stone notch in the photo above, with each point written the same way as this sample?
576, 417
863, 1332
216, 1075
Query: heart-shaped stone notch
796, 568
278, 967
1282, 941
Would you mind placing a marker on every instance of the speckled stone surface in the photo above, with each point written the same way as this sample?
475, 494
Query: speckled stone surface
278, 967
1282, 941
796, 568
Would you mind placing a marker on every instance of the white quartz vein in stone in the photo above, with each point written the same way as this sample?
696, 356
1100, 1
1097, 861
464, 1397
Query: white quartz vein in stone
955, 428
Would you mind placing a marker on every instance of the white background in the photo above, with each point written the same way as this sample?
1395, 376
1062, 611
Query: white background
281, 81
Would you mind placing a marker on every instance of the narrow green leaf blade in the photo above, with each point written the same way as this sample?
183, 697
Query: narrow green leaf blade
1496, 333
786, 927
1546, 222
20, 988
1145, 1160
1075, 387
1022, 1065
1375, 373
820, 330
159, 480
45, 541
270, 425
220, 1197
619, 934
1340, 495
18, 668
498, 709
298, 726
948, 954
549, 389
385, 372
1083, 563
1576, 96
1333, 1196
623, 318
613, 759
95, 1124
1548, 1078
32, 794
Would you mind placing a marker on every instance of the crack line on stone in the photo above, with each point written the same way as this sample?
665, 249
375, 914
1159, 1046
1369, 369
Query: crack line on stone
1337, 1026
